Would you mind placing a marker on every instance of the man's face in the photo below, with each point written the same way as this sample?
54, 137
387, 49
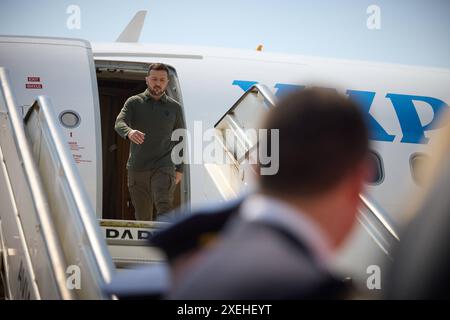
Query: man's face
157, 82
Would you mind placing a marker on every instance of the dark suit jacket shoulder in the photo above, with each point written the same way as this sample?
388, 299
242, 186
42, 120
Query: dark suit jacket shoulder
254, 260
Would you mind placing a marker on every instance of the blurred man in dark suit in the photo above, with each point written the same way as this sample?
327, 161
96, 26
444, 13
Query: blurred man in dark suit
277, 242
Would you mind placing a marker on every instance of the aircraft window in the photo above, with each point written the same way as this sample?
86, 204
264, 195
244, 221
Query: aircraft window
69, 119
417, 161
377, 165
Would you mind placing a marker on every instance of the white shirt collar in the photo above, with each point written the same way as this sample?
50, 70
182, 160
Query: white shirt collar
258, 207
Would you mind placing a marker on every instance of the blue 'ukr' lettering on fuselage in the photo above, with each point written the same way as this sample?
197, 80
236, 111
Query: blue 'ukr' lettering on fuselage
413, 130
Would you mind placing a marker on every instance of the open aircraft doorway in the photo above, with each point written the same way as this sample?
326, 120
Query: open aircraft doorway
117, 81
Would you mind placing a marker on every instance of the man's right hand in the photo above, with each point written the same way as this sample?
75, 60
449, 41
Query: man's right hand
136, 136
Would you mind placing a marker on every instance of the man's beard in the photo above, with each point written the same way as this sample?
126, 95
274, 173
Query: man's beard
156, 91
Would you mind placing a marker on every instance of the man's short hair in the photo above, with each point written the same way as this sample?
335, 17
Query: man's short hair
159, 67
322, 137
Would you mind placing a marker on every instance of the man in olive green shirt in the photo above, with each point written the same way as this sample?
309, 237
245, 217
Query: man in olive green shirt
148, 120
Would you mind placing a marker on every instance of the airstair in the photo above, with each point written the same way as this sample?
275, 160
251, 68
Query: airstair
51, 243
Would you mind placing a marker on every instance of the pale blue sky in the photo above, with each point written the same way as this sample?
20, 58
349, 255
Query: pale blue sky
412, 31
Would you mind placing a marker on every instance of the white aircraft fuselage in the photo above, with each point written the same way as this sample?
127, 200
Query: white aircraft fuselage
402, 103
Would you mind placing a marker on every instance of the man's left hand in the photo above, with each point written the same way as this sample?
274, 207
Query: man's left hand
178, 176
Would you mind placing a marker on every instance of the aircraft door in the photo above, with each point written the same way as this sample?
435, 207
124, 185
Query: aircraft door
62, 69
